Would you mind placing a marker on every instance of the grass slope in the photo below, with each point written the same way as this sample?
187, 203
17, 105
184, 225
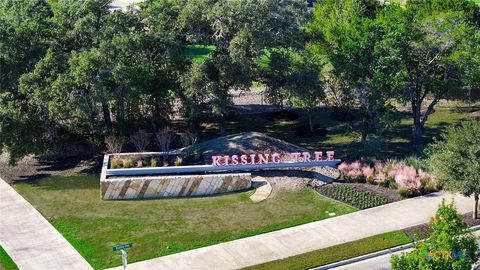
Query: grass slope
6, 263
161, 227
337, 253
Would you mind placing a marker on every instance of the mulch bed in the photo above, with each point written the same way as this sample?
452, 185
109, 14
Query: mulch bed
423, 229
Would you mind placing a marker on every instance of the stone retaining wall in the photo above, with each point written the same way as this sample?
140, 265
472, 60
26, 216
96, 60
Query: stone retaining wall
172, 186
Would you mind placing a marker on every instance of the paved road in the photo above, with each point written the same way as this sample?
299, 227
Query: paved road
379, 263
308, 237
30, 240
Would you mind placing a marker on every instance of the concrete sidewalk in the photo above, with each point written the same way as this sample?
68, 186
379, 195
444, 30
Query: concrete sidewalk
30, 240
308, 237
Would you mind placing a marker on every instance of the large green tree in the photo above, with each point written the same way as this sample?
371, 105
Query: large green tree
24, 39
455, 161
449, 245
356, 37
437, 33
76, 71
305, 85
241, 31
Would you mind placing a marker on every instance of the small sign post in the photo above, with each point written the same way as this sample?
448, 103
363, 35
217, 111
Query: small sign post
124, 253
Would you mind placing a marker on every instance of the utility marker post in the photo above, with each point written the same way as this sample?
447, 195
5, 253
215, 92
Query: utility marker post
124, 253
124, 259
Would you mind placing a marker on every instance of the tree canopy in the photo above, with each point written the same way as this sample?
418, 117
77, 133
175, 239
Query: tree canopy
76, 71
449, 245
455, 160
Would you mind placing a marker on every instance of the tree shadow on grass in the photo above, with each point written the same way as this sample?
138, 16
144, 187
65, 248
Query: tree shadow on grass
54, 166
68, 182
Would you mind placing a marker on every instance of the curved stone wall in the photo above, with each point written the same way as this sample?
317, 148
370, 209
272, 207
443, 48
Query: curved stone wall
172, 186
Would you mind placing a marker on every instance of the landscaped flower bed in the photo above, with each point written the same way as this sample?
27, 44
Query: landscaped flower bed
352, 196
118, 162
408, 180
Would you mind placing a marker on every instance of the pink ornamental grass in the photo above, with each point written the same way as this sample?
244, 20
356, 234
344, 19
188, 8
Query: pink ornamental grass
357, 165
406, 177
354, 173
397, 168
380, 169
343, 168
368, 172
424, 176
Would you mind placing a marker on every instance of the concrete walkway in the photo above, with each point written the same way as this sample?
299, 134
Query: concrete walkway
29, 239
308, 237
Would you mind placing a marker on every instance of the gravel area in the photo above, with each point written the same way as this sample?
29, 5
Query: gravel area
285, 180
252, 101
290, 179
243, 143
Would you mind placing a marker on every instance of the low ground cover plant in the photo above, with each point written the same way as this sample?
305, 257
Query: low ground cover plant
409, 180
353, 196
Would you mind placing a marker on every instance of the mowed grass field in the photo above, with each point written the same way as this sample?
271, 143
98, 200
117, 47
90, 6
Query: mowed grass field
161, 227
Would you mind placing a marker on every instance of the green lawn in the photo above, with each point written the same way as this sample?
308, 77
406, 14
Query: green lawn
160, 227
337, 253
198, 53
6, 263
340, 136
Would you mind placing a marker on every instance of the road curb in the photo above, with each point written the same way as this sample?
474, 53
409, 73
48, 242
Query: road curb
376, 254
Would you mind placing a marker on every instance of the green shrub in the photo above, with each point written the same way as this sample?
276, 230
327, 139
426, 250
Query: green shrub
371, 181
429, 187
392, 184
417, 163
178, 161
153, 162
353, 196
360, 179
129, 163
403, 192
116, 163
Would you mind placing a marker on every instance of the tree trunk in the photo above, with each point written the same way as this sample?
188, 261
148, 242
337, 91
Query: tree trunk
417, 132
120, 110
416, 128
310, 122
106, 116
364, 130
475, 206
222, 125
